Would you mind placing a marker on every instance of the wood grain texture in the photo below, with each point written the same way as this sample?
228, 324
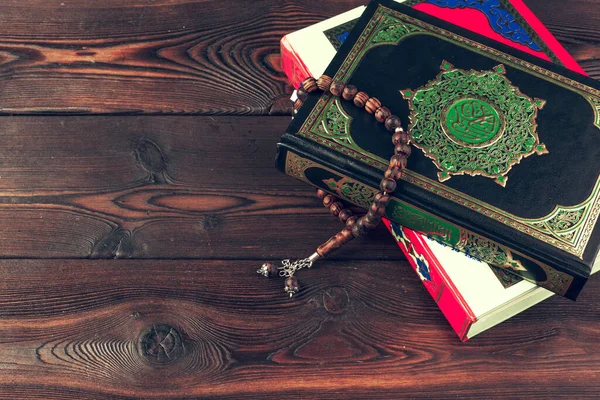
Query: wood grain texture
576, 25
359, 330
149, 56
157, 187
87, 203
185, 57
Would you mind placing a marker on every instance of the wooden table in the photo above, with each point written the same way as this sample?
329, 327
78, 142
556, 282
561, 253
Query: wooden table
138, 197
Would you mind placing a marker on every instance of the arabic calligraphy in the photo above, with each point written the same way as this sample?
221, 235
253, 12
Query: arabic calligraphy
420, 222
473, 123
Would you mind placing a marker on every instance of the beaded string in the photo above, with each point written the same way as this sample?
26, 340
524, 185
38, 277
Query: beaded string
355, 227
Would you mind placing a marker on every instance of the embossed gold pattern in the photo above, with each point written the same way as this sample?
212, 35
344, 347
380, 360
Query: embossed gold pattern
353, 191
487, 127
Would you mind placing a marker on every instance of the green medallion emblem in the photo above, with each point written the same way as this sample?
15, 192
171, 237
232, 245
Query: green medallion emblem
474, 122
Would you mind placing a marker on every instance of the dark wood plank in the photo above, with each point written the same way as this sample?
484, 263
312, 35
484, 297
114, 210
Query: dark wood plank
205, 188
209, 57
185, 57
73, 329
157, 187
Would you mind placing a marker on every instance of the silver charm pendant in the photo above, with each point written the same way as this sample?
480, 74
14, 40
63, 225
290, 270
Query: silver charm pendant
287, 270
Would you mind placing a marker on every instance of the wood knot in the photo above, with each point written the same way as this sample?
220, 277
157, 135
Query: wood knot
118, 244
336, 299
210, 222
161, 344
150, 157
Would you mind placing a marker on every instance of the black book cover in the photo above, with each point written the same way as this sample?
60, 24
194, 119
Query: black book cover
506, 166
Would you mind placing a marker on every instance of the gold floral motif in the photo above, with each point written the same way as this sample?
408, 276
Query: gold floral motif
476, 133
353, 191
296, 166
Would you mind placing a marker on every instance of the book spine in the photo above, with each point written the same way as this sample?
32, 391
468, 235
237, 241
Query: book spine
434, 279
303, 164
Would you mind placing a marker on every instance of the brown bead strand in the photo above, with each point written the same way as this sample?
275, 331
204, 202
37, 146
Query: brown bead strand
336, 207
345, 215
370, 220
337, 88
355, 227
392, 123
397, 163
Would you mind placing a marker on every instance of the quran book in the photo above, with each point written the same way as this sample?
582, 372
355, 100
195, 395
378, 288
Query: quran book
472, 296
308, 52
492, 169
483, 295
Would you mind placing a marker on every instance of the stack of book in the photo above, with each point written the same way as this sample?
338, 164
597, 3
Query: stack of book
488, 94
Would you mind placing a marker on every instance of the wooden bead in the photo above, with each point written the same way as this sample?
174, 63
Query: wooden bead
298, 104
269, 270
388, 185
309, 84
355, 230
394, 173
361, 99
349, 92
347, 234
291, 285
302, 94
372, 105
359, 229
335, 242
328, 200
382, 201
321, 194
398, 161
378, 197
403, 150
400, 137
371, 221
376, 211
272, 270
337, 88
351, 221
392, 122
324, 82
382, 114
345, 214
336, 208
